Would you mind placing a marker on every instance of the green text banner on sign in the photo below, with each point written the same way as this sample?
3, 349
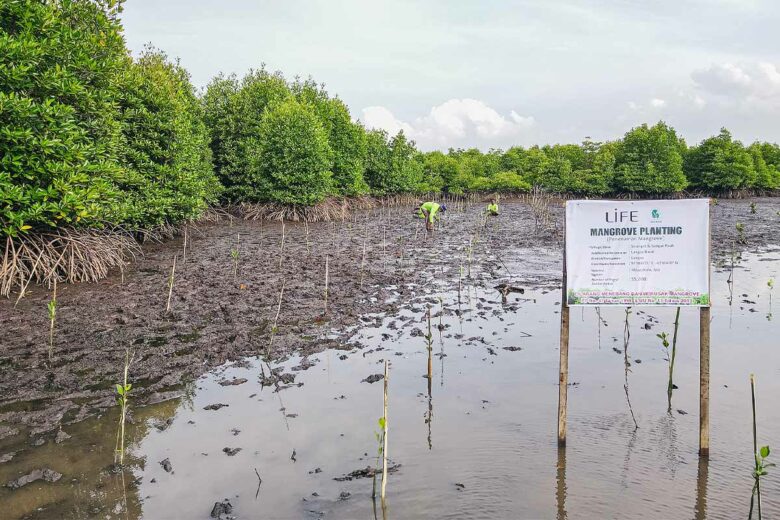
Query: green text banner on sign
652, 252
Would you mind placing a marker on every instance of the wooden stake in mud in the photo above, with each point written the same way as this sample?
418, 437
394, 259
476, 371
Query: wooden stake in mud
170, 285
563, 375
704, 382
327, 278
704, 359
184, 249
363, 259
281, 247
306, 225
429, 338
384, 436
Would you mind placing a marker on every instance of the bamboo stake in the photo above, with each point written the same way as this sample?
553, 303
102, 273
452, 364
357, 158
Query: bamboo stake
306, 225
384, 435
52, 318
281, 247
184, 256
170, 285
670, 385
430, 351
363, 259
276, 320
327, 278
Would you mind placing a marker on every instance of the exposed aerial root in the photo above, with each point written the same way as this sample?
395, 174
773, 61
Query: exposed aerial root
65, 255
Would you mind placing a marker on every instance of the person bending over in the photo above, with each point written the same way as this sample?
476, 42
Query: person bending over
430, 212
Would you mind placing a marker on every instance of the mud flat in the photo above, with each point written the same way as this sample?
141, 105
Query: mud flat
480, 444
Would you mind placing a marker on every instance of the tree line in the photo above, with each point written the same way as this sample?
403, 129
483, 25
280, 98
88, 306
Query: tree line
91, 137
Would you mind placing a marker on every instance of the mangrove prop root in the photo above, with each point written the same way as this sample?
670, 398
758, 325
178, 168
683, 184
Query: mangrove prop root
64, 255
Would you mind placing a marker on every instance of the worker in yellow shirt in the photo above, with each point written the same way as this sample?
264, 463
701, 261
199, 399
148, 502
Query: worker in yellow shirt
430, 211
492, 208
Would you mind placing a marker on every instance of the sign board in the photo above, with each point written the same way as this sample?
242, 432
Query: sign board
649, 252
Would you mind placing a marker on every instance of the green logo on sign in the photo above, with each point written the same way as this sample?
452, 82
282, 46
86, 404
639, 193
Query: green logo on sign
655, 213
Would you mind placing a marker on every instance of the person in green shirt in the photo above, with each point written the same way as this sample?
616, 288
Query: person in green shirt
429, 211
492, 208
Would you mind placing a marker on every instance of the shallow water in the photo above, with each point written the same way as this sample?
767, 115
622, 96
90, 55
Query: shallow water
482, 444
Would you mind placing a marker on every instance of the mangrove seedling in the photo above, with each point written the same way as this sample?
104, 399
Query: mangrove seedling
759, 455
627, 364
274, 327
234, 254
123, 399
670, 356
740, 227
470, 251
384, 434
753, 208
52, 307
380, 442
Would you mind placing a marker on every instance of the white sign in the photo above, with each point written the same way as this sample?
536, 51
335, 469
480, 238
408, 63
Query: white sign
650, 252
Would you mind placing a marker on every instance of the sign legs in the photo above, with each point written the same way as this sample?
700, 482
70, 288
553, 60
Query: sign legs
704, 382
563, 379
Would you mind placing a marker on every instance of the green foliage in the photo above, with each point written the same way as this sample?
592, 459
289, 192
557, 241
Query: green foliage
59, 69
377, 159
234, 111
291, 158
720, 163
649, 160
766, 162
168, 171
347, 139
393, 167
439, 170
503, 181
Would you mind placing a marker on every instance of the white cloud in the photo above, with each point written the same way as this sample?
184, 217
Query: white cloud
382, 118
456, 122
752, 80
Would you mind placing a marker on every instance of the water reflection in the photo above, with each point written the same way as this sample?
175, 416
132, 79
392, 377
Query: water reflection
702, 475
92, 484
560, 484
334, 424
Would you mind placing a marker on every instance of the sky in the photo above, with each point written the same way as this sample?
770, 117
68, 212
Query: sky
496, 73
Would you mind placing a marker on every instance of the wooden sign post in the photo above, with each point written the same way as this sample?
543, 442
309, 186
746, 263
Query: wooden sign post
638, 253
563, 372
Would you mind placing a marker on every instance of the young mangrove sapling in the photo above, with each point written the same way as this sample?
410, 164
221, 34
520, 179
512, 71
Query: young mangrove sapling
759, 455
123, 399
52, 308
234, 253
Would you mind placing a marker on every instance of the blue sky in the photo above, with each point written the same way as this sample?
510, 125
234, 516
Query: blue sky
494, 73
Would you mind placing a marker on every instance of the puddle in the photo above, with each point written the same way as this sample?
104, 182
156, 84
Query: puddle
480, 444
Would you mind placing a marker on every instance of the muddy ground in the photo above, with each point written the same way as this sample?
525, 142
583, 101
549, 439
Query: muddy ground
217, 317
